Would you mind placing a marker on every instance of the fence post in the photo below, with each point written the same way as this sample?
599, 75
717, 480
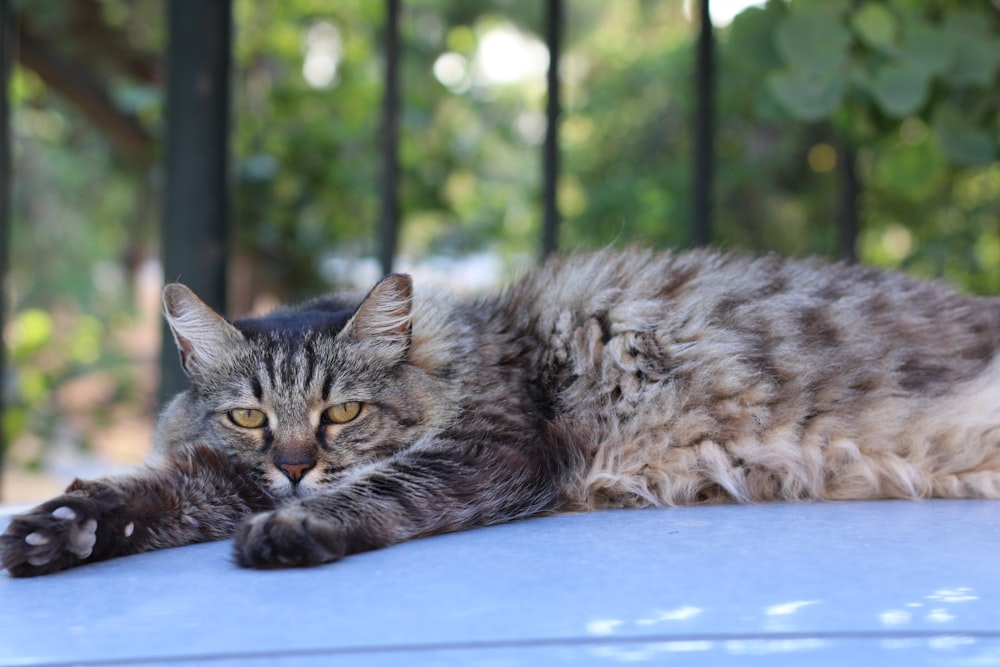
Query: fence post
389, 227
196, 193
7, 33
704, 124
849, 195
550, 149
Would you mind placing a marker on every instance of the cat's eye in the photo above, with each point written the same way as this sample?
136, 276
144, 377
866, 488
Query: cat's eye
342, 412
247, 417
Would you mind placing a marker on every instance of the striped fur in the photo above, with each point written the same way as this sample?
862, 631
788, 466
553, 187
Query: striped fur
617, 379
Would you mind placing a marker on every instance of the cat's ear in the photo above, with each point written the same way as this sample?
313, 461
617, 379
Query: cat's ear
383, 320
204, 338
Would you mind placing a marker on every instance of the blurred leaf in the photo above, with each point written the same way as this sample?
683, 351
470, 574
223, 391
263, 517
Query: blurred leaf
766, 105
814, 39
33, 385
924, 46
461, 39
834, 7
913, 171
900, 89
15, 421
960, 139
876, 26
750, 40
32, 330
975, 50
807, 95
85, 346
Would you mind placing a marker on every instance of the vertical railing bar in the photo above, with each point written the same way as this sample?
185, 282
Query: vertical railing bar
849, 196
389, 220
550, 149
195, 228
7, 33
704, 123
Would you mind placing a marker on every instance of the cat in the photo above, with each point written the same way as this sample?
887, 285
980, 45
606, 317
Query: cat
606, 380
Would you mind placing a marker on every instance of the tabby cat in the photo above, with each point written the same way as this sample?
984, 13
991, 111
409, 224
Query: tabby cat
616, 379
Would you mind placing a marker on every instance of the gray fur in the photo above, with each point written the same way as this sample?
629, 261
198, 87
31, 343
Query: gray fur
618, 379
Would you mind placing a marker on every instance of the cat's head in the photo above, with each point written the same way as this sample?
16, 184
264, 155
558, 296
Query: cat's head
301, 395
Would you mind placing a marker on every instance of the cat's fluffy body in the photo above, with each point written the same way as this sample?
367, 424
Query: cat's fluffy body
616, 379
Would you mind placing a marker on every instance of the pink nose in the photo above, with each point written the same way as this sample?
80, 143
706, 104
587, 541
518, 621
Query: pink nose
295, 471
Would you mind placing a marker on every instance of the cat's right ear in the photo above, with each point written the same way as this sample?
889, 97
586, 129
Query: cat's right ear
383, 320
204, 338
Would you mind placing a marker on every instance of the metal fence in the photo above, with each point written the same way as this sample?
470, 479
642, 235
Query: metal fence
194, 240
195, 230
6, 49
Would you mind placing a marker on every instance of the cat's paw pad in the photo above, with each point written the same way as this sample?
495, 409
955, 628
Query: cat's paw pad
80, 538
289, 537
51, 537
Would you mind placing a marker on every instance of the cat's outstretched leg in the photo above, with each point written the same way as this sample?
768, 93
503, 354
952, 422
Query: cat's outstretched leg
196, 495
438, 488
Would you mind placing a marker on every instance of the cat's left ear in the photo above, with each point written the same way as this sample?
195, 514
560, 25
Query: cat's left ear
383, 320
204, 338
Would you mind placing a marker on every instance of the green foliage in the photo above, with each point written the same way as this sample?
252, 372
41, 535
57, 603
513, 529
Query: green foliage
847, 63
961, 141
910, 87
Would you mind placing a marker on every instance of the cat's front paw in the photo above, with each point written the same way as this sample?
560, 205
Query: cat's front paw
56, 535
288, 537
47, 540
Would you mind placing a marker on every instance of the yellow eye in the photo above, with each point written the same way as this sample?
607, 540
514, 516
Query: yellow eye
247, 417
343, 412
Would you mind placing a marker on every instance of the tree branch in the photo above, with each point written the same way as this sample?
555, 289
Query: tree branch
82, 88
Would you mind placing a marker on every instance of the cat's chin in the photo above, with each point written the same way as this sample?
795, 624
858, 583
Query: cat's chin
280, 488
290, 491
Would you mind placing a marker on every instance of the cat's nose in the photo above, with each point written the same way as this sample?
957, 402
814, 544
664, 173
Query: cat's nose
295, 471
294, 465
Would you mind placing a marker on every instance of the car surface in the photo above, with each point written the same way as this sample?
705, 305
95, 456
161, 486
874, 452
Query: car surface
853, 583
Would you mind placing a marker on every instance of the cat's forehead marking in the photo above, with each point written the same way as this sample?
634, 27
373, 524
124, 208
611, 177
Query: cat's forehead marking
289, 347
328, 315
286, 367
292, 324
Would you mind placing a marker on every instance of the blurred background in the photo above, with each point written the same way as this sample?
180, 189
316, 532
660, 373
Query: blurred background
880, 111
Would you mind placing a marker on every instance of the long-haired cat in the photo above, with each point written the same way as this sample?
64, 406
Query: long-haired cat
617, 379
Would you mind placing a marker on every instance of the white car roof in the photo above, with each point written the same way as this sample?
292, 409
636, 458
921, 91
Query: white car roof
882, 583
